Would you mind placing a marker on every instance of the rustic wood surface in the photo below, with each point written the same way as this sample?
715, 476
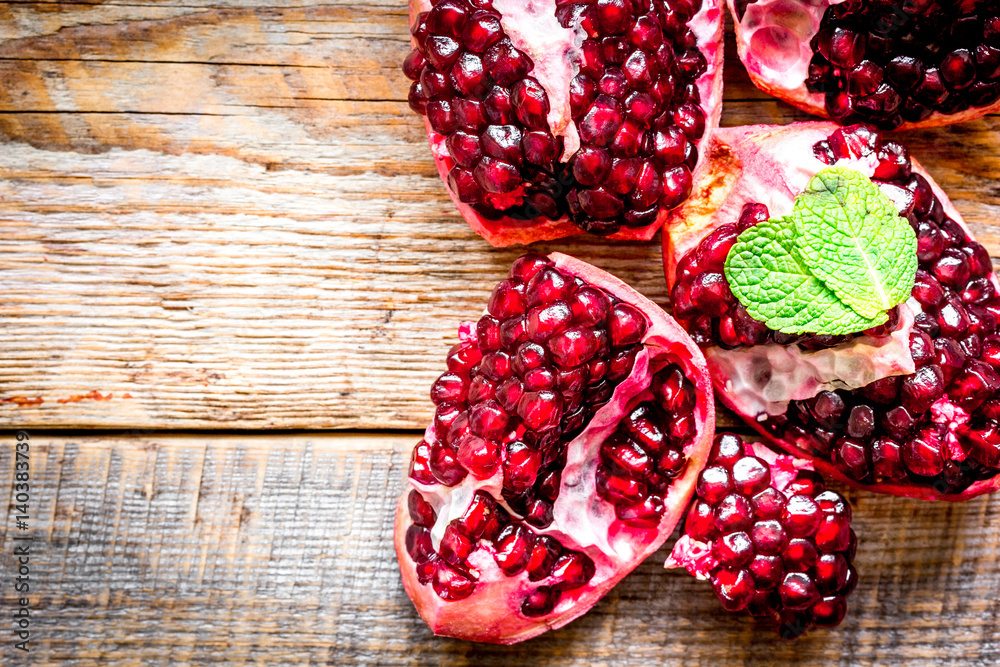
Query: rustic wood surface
229, 215
222, 215
276, 549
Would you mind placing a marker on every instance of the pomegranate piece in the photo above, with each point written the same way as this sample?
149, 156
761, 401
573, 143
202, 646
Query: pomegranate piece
780, 547
556, 117
912, 64
569, 430
905, 408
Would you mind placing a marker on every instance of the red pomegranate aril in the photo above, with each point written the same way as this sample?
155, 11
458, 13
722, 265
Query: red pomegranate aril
977, 382
450, 584
520, 467
540, 602
572, 569
513, 548
769, 537
420, 468
920, 390
617, 489
421, 511
543, 556
952, 269
750, 476
455, 546
767, 572
886, 459
418, 543
958, 69
850, 455
923, 454
799, 555
714, 483
829, 612
733, 513
861, 422
798, 591
734, 589
734, 550
926, 289
700, 522
801, 516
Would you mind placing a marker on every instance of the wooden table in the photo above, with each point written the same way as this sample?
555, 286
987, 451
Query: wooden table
229, 274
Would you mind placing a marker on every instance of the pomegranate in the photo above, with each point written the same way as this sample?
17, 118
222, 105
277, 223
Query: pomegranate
909, 407
774, 542
568, 433
548, 117
917, 63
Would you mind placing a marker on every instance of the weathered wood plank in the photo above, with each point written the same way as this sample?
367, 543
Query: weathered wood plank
227, 213
157, 549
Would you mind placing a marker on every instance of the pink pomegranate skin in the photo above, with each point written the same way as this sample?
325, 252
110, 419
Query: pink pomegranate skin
707, 24
754, 164
597, 549
773, 41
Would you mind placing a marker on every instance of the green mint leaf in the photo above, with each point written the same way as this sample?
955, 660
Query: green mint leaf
852, 238
768, 275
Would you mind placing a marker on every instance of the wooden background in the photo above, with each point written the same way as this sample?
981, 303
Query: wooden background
229, 274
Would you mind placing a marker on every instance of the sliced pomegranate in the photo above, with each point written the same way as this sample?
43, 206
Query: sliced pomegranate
919, 63
555, 116
774, 542
569, 431
908, 408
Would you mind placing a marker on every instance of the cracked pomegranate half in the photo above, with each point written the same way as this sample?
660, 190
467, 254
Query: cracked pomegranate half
569, 431
774, 542
916, 63
550, 117
910, 407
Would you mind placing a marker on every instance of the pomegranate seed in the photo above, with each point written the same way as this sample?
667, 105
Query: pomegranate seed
801, 516
540, 602
733, 551
421, 512
733, 513
734, 589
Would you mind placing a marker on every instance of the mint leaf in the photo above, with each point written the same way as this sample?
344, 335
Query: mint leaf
768, 275
852, 238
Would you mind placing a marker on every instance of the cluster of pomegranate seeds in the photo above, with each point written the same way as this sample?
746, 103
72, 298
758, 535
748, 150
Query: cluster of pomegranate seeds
781, 544
634, 102
886, 62
939, 426
646, 452
515, 547
546, 356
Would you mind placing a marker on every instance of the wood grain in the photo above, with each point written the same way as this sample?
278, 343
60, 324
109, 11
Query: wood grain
154, 549
223, 214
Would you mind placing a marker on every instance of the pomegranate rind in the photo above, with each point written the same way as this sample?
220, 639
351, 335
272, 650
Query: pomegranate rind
707, 26
744, 164
491, 614
788, 83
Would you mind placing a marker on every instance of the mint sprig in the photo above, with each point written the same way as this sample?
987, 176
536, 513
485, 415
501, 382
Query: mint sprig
854, 240
835, 265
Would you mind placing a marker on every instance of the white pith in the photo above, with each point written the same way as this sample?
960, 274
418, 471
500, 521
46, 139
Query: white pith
761, 380
777, 34
793, 373
533, 28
